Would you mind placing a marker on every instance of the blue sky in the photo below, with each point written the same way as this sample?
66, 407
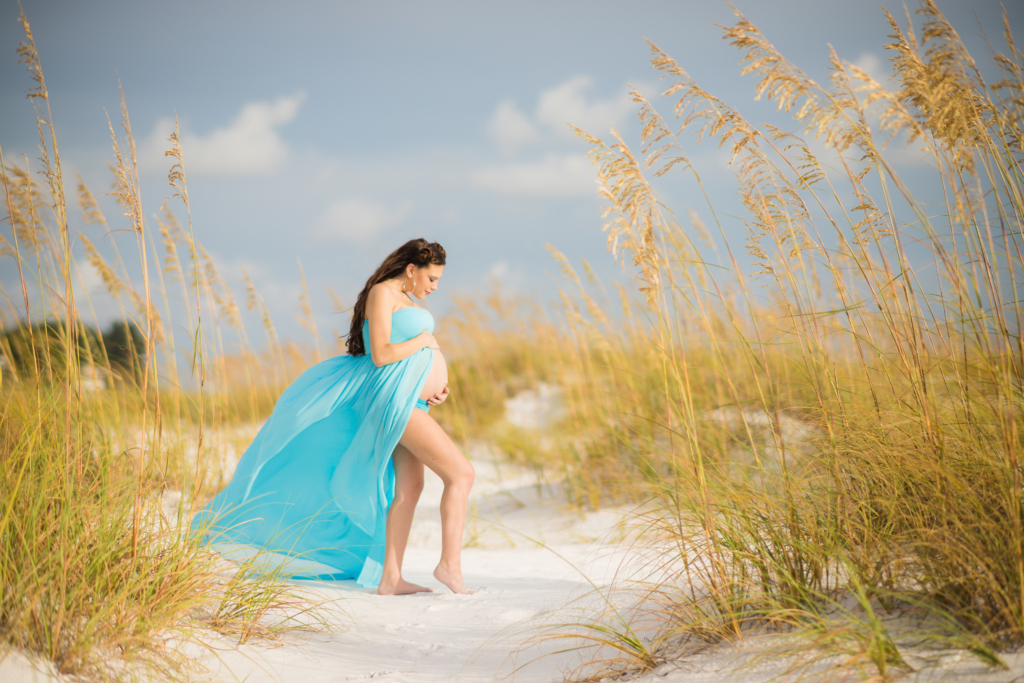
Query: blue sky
333, 131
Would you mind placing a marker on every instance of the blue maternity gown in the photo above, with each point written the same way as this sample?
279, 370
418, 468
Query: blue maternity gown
314, 488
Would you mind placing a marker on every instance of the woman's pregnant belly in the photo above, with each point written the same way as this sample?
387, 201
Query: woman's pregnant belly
438, 377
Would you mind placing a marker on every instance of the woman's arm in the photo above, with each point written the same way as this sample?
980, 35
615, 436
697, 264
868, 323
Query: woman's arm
379, 306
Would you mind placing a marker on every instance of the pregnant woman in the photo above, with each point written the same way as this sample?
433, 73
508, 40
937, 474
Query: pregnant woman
334, 475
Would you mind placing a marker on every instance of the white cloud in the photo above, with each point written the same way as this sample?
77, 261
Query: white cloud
557, 107
567, 103
510, 128
94, 302
498, 270
555, 176
356, 220
874, 67
91, 280
249, 145
510, 278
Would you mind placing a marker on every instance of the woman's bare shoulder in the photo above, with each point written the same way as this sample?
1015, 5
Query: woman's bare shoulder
381, 296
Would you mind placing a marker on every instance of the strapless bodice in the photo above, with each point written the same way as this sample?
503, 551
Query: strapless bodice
406, 323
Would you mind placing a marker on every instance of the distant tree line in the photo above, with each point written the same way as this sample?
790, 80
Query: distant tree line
41, 347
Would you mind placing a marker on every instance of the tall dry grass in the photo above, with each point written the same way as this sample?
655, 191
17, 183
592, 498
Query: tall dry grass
497, 345
833, 439
831, 442
103, 458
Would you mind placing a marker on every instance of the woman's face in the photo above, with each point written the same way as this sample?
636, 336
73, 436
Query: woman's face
424, 279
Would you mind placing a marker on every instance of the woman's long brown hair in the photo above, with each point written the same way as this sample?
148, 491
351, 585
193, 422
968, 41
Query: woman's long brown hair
418, 252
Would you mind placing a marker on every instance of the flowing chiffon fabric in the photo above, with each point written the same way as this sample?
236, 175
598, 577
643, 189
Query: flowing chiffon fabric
315, 485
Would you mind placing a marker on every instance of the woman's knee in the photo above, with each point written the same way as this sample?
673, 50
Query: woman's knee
464, 474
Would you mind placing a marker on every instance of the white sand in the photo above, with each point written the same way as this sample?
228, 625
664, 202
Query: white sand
747, 663
445, 637
527, 555
16, 667
521, 586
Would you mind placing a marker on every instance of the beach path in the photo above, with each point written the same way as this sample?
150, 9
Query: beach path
528, 555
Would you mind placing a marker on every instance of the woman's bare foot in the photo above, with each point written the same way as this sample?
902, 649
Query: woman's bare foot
401, 587
452, 579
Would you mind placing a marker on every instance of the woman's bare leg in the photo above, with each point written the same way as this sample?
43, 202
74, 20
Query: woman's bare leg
408, 486
425, 439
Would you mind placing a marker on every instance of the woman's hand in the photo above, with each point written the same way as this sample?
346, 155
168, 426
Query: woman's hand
431, 342
438, 398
